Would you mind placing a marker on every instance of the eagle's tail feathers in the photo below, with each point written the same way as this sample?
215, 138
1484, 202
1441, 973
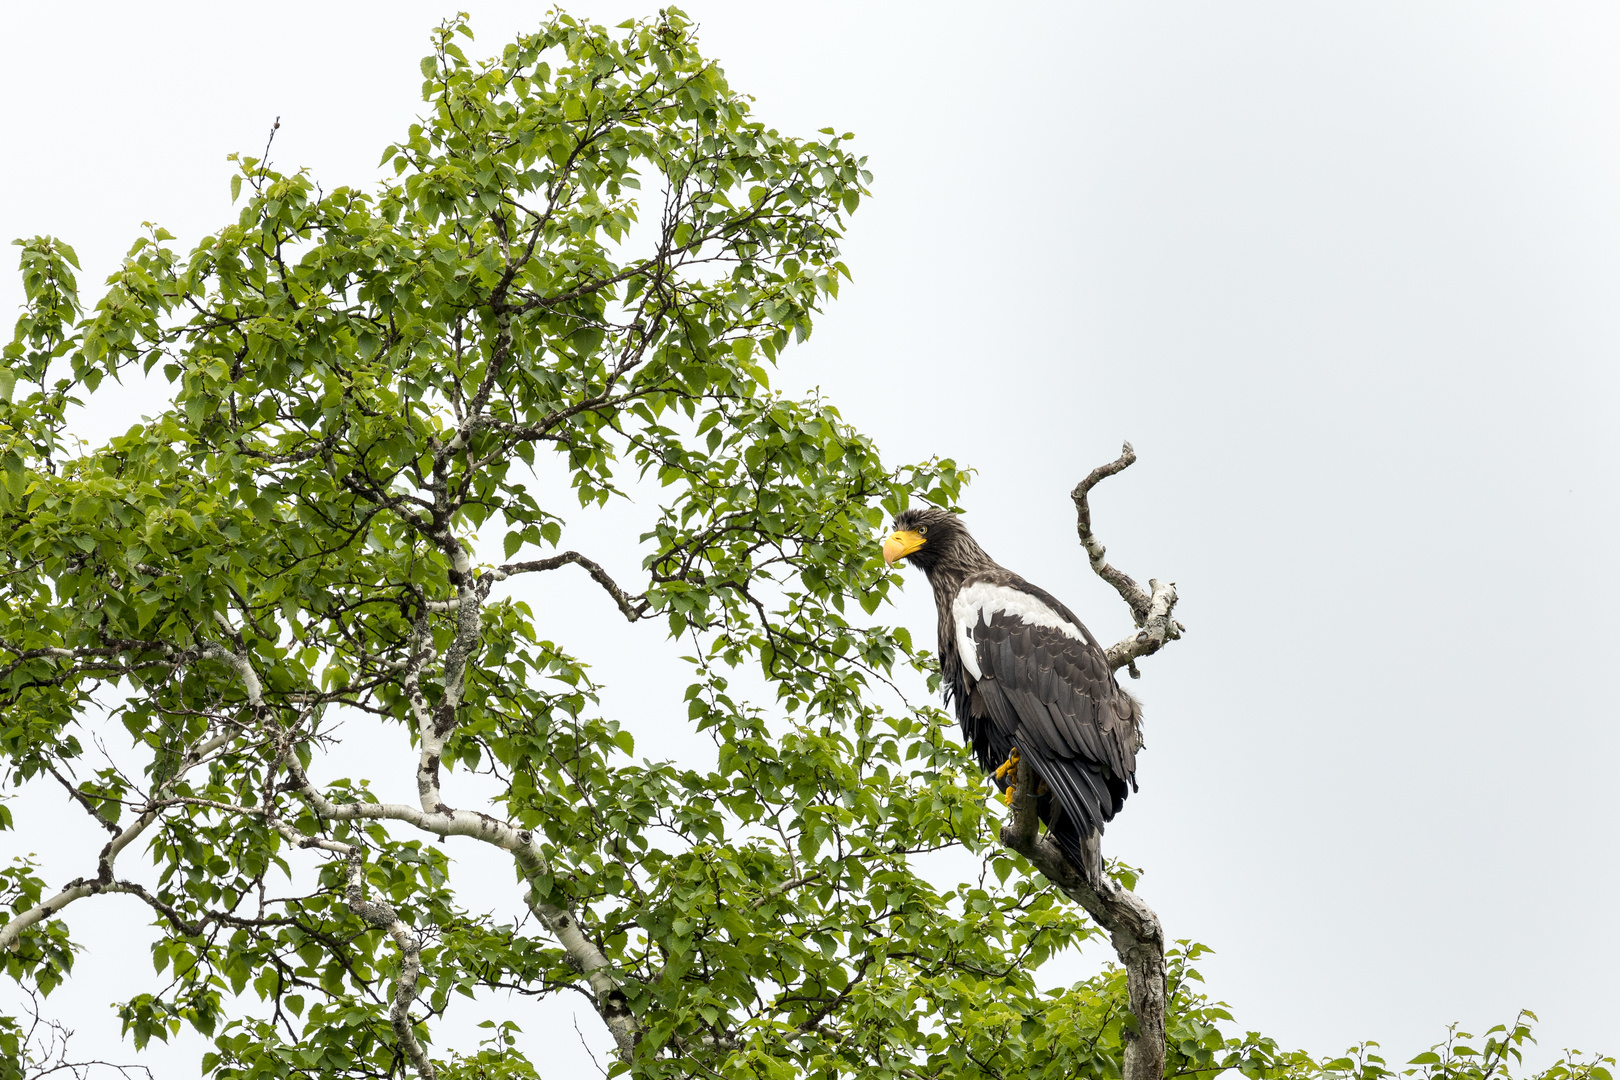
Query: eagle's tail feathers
1082, 849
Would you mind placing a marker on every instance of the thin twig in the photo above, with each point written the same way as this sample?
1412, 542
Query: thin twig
264, 162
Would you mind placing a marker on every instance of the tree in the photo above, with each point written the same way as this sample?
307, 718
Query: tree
588, 257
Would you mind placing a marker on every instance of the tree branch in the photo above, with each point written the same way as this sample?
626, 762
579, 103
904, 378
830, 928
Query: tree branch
1156, 630
380, 915
633, 607
583, 954
44, 1049
122, 838
1132, 926
1150, 610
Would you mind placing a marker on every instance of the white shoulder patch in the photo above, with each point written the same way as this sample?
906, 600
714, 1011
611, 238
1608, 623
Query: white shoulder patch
984, 600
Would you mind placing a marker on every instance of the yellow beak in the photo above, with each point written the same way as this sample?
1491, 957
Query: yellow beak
901, 544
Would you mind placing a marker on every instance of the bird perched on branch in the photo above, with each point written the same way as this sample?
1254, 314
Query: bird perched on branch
1029, 682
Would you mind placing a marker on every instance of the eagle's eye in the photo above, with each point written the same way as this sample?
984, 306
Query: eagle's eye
922, 530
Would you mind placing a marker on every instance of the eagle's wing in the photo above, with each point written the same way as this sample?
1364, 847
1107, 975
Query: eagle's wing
1044, 686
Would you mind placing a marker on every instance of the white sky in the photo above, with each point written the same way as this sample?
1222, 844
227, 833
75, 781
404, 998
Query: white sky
1345, 274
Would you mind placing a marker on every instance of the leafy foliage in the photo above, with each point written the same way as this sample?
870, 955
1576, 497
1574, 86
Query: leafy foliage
586, 261
1497, 1056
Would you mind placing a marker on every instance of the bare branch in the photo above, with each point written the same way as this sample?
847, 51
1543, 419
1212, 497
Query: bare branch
633, 607
1158, 628
1128, 589
83, 800
1151, 610
45, 1049
587, 1046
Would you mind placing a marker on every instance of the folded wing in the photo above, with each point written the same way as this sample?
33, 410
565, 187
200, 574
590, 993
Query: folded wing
1038, 681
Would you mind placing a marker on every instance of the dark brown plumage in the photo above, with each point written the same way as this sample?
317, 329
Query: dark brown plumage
1023, 672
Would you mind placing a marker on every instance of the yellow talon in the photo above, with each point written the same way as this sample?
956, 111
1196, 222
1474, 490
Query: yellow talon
1009, 766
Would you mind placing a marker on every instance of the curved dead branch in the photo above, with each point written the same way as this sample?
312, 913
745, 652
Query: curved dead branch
1152, 609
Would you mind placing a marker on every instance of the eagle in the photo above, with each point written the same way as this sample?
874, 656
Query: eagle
1029, 682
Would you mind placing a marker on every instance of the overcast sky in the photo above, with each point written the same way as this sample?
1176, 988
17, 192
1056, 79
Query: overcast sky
1345, 274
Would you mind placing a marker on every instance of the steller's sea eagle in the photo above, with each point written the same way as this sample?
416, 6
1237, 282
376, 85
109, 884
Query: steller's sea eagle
1027, 679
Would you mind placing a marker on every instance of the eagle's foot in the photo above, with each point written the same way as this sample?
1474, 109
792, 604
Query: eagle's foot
1009, 767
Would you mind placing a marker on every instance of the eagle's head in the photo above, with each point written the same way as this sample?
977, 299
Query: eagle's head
931, 537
